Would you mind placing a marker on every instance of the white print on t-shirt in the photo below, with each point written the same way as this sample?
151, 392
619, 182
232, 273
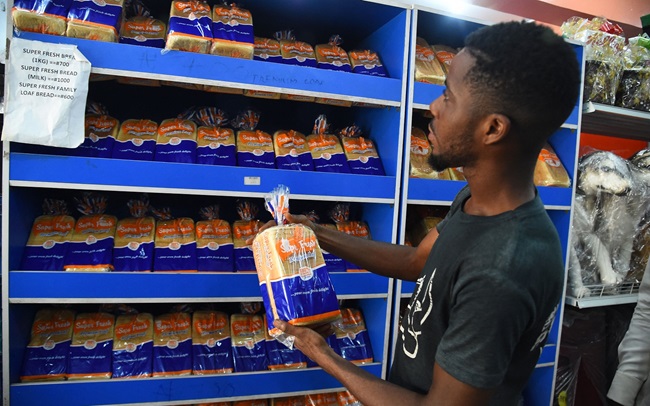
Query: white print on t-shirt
421, 301
545, 330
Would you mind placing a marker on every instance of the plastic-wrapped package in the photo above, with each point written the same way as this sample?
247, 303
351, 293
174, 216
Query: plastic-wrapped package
46, 356
295, 52
42, 16
634, 88
361, 152
352, 337
326, 150
172, 349
267, 49
248, 342
242, 230
101, 132
366, 62
549, 170
214, 244
288, 401
333, 263
134, 239
232, 31
175, 243
603, 53
93, 239
211, 343
141, 28
332, 56
190, 26
133, 346
427, 67
282, 357
254, 147
420, 153
345, 398
607, 210
321, 399
91, 349
340, 215
136, 139
292, 151
216, 144
294, 282
444, 54
95, 20
49, 239
176, 141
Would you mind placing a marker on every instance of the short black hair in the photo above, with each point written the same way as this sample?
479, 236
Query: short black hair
528, 73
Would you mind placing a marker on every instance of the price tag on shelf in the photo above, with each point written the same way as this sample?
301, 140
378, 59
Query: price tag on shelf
46, 94
252, 180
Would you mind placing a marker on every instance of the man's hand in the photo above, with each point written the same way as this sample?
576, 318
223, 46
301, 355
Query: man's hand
291, 219
309, 342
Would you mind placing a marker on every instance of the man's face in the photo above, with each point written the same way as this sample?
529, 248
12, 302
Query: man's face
452, 129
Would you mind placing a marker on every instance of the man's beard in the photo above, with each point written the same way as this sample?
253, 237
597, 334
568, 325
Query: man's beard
438, 162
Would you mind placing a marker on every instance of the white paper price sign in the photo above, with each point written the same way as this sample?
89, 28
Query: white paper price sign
47, 86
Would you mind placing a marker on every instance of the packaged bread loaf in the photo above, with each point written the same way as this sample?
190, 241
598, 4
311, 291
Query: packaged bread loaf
295, 52
93, 238
321, 399
456, 173
297, 97
267, 49
444, 54
141, 28
216, 144
248, 342
136, 139
254, 147
95, 20
211, 343
91, 350
190, 26
214, 245
174, 244
288, 401
101, 131
345, 398
333, 262
331, 56
294, 282
352, 336
282, 357
427, 66
41, 16
232, 31
326, 150
46, 355
262, 94
244, 228
49, 238
172, 344
176, 141
420, 155
360, 152
133, 346
366, 62
549, 170
292, 151
340, 215
134, 239
333, 102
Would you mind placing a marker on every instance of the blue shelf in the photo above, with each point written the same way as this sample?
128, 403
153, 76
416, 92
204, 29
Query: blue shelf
445, 191
142, 61
425, 93
26, 286
106, 174
193, 389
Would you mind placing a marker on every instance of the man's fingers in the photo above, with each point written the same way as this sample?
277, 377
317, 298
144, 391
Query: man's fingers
268, 224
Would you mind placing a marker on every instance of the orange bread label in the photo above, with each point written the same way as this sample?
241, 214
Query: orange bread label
133, 328
549, 158
358, 145
445, 57
97, 326
134, 228
364, 57
199, 8
143, 27
244, 229
255, 138
51, 326
219, 229
176, 324
290, 139
267, 44
96, 224
214, 134
332, 52
424, 54
327, 141
101, 126
177, 128
182, 228
296, 47
211, 324
48, 226
232, 13
139, 127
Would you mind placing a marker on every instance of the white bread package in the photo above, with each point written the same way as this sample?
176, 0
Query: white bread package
91, 245
254, 147
366, 62
176, 141
136, 139
248, 342
294, 281
211, 343
242, 230
174, 244
427, 66
331, 56
133, 346
361, 152
420, 152
101, 132
91, 350
340, 214
216, 144
46, 356
140, 28
42, 16
282, 357
134, 239
172, 344
48, 241
95, 20
549, 170
232, 31
190, 26
267, 49
321, 399
444, 54
295, 52
352, 336
214, 245
326, 150
292, 151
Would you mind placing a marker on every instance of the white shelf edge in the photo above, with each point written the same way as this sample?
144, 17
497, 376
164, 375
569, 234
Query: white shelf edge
202, 192
235, 85
419, 106
621, 111
429, 202
558, 207
601, 301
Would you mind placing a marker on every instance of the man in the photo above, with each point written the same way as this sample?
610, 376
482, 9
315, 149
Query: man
489, 277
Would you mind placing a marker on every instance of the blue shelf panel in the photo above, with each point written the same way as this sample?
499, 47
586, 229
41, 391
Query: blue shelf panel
225, 179
446, 190
407, 288
153, 61
548, 354
28, 285
425, 93
192, 389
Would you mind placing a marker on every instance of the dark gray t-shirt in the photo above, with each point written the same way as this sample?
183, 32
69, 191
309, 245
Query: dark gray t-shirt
484, 303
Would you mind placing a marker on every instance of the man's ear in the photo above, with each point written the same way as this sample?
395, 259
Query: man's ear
496, 128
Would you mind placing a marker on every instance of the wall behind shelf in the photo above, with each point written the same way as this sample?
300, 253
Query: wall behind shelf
620, 146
